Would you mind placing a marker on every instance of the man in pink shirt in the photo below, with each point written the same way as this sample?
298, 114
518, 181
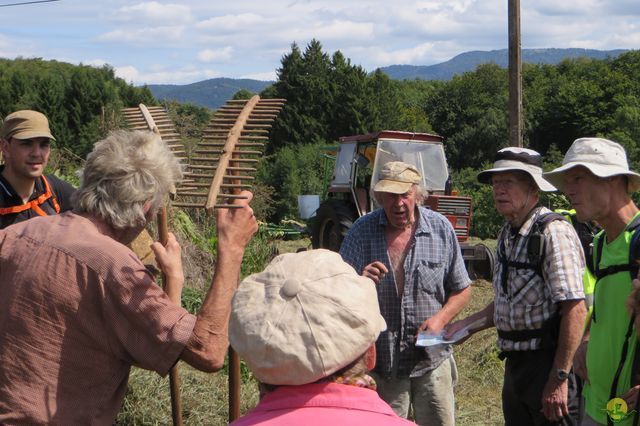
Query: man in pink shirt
77, 307
307, 327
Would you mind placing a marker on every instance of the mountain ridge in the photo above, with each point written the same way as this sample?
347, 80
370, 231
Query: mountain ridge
213, 93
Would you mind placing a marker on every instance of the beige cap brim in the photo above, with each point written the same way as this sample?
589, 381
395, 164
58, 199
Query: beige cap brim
32, 134
557, 176
392, 186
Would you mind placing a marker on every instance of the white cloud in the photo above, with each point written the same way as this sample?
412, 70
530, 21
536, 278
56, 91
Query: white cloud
264, 76
242, 21
215, 55
128, 73
144, 36
164, 75
345, 31
154, 12
248, 38
11, 47
98, 63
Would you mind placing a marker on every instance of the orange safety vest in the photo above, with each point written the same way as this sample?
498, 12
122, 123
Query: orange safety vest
35, 204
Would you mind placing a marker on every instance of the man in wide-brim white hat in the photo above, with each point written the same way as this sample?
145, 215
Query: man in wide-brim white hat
596, 178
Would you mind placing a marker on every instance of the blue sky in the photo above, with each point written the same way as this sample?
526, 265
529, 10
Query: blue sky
183, 42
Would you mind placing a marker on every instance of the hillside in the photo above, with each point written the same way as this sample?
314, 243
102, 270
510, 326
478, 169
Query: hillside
468, 61
210, 93
214, 92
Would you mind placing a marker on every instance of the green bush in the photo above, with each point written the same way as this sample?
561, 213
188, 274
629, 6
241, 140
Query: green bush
485, 220
292, 171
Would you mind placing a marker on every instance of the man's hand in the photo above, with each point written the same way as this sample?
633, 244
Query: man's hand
631, 397
554, 399
580, 361
452, 328
375, 271
169, 259
236, 226
433, 325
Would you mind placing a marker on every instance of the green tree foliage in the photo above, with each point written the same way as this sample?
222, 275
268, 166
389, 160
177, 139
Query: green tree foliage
470, 111
485, 221
81, 102
292, 171
576, 98
328, 97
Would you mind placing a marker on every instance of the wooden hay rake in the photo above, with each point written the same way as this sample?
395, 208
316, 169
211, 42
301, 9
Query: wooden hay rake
156, 120
220, 167
223, 164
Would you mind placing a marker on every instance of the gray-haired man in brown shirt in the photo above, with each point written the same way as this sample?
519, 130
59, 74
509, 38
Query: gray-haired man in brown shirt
77, 308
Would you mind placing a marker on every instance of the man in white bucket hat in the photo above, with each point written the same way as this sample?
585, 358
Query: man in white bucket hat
538, 308
596, 178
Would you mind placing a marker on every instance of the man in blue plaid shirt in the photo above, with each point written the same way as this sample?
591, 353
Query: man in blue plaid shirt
413, 256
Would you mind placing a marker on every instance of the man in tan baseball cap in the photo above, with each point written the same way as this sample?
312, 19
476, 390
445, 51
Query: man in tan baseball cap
397, 177
25, 192
306, 326
413, 256
26, 124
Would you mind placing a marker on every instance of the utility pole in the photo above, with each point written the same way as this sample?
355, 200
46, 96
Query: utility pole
515, 75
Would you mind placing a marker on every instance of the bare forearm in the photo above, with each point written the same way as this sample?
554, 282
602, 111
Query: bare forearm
455, 303
482, 320
209, 342
173, 288
570, 337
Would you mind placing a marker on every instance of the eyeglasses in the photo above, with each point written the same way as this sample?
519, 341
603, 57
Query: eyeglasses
506, 183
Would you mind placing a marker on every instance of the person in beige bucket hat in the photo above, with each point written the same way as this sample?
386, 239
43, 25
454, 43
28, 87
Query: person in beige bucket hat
413, 256
602, 157
306, 327
596, 178
538, 307
25, 191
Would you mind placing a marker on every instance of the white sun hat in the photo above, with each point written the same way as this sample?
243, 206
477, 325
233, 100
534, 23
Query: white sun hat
602, 157
514, 158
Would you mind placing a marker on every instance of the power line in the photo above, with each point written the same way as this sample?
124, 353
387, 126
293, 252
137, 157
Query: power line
27, 2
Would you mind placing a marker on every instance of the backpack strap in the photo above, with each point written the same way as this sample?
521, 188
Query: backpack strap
586, 233
34, 205
634, 253
535, 249
631, 266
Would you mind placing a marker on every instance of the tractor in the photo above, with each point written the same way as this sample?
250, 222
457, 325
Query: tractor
358, 161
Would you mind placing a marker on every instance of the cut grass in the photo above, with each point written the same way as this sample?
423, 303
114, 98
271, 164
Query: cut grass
205, 396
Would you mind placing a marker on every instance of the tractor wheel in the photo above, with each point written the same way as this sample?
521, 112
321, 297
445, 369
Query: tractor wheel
483, 263
332, 222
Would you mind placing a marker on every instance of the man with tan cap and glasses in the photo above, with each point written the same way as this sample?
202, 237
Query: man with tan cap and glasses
25, 191
595, 176
538, 308
413, 256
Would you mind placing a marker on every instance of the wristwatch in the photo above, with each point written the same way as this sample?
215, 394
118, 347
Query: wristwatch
561, 374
